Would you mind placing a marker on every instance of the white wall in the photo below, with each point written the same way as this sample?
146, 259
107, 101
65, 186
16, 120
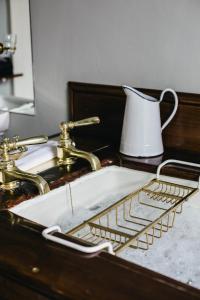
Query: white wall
145, 43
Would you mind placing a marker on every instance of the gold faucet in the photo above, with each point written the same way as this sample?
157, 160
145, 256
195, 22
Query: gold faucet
11, 150
66, 150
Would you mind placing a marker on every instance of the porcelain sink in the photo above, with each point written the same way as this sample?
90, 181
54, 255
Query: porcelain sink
176, 255
71, 204
75, 202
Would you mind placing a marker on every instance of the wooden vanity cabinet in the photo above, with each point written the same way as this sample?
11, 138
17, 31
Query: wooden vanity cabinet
10, 289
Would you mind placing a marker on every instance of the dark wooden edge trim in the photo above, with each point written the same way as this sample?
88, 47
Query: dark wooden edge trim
102, 89
79, 87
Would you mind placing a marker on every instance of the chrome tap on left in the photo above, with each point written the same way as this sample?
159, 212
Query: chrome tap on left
10, 175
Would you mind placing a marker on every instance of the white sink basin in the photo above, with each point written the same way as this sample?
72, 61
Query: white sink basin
175, 255
73, 203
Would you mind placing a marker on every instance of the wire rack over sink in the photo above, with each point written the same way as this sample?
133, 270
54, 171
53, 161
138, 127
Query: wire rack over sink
139, 218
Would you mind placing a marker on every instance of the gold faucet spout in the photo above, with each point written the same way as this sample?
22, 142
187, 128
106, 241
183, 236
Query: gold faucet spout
12, 149
37, 180
66, 150
90, 157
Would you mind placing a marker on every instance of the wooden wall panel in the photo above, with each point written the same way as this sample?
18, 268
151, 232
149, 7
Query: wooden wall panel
108, 102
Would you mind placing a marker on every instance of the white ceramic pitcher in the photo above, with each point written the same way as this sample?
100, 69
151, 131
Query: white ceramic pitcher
142, 131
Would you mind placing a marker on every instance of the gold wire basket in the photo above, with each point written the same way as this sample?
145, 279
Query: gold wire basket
139, 218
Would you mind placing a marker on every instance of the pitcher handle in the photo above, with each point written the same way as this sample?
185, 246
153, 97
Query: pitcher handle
175, 106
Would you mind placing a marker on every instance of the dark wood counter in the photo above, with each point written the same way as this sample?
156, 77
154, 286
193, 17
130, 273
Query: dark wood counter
31, 267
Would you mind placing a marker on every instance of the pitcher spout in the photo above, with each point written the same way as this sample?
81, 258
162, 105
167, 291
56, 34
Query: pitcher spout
136, 94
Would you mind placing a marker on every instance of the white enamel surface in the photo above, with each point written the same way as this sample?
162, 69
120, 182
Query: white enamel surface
46, 209
108, 184
89, 194
142, 132
175, 106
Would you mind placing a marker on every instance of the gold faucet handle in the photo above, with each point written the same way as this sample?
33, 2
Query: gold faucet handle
86, 122
15, 147
31, 141
15, 143
66, 126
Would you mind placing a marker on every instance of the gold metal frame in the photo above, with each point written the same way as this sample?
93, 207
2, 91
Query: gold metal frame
138, 219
